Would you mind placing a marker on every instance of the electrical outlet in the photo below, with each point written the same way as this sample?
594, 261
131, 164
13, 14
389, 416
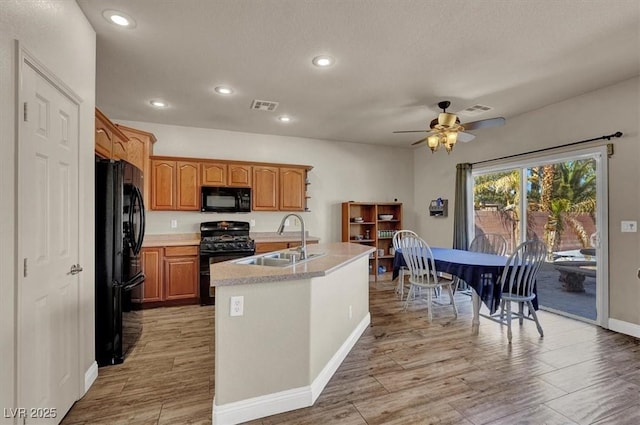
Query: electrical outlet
236, 306
174, 224
295, 221
252, 223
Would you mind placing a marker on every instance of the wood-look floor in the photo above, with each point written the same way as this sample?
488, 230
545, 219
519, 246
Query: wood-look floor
403, 370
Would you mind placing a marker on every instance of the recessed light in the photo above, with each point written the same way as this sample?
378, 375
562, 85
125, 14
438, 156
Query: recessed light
323, 61
119, 18
158, 104
284, 118
223, 90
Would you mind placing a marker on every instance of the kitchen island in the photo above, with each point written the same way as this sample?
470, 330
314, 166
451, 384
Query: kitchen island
297, 325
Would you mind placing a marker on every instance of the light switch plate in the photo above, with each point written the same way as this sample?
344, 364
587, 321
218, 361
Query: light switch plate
628, 226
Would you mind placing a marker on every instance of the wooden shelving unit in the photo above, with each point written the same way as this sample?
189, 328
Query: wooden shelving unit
372, 231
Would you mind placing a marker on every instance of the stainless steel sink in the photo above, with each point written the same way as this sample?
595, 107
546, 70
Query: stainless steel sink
279, 259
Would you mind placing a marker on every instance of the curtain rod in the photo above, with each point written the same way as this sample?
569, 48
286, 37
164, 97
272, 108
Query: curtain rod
616, 134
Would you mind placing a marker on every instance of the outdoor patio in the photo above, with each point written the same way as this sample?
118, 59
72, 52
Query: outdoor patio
553, 296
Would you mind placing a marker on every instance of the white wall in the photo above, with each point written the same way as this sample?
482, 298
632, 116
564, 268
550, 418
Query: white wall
59, 36
341, 172
595, 114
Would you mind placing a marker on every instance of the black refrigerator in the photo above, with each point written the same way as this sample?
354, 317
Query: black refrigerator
120, 221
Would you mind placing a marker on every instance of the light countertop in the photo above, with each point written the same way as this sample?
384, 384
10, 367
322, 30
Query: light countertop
172, 239
337, 254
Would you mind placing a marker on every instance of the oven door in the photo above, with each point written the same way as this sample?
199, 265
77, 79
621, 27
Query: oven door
207, 296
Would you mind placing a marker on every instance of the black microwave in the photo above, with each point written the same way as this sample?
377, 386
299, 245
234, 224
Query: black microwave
225, 199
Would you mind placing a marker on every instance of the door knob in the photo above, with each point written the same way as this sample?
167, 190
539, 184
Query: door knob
75, 269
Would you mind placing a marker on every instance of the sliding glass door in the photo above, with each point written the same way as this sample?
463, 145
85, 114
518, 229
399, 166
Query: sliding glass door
561, 200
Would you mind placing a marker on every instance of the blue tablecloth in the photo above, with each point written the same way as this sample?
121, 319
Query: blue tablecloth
478, 270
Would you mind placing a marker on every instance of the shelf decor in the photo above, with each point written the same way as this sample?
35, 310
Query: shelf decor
373, 224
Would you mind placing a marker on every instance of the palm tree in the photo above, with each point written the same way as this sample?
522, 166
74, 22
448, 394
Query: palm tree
563, 190
568, 188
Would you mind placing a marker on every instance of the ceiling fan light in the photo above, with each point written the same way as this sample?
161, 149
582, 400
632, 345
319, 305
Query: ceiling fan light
452, 138
446, 120
433, 142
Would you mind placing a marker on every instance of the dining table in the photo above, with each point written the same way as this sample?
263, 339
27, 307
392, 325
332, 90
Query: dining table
480, 271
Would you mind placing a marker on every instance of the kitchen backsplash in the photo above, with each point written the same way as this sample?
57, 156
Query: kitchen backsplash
160, 222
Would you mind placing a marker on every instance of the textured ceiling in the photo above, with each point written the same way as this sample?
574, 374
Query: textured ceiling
395, 59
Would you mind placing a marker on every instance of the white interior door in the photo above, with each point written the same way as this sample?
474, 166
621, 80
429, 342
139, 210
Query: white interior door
48, 302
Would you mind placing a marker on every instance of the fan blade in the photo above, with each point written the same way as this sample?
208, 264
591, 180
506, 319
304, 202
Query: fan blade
411, 131
465, 137
491, 122
418, 142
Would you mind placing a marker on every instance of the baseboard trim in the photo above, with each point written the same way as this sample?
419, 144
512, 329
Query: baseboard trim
330, 368
284, 401
624, 327
90, 376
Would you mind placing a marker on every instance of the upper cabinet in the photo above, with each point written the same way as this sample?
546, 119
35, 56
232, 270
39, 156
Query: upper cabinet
175, 185
240, 175
110, 142
292, 189
265, 189
139, 151
188, 185
163, 185
225, 174
214, 174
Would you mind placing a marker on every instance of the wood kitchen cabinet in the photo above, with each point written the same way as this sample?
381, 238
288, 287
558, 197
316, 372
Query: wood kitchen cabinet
265, 188
171, 275
188, 186
163, 185
292, 189
139, 151
240, 175
110, 142
213, 174
152, 267
224, 174
175, 185
181, 272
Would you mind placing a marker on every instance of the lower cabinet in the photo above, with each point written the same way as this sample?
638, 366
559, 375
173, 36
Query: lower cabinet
171, 275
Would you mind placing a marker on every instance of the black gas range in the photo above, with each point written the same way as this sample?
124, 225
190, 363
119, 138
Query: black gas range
221, 241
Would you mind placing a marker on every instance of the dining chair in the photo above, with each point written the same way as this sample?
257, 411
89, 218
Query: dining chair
422, 272
488, 243
397, 237
517, 282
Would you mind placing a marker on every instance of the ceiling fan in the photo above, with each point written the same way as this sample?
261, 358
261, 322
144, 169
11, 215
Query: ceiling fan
446, 129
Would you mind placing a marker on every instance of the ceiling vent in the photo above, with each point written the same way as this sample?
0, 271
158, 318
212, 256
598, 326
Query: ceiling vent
264, 105
476, 109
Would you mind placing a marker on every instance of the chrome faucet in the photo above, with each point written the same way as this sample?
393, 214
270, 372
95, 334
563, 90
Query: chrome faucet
303, 236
